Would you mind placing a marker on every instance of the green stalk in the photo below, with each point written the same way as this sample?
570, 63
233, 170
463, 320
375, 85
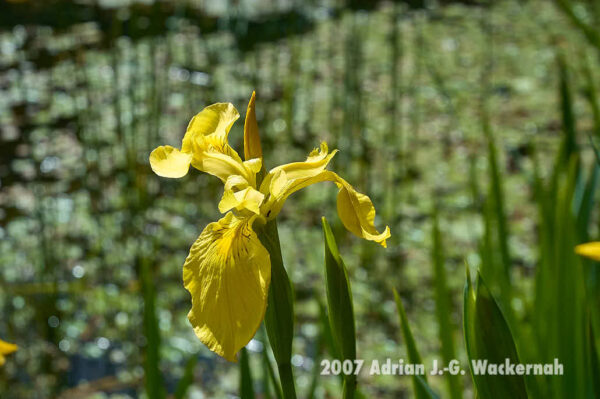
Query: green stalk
443, 308
153, 378
246, 388
279, 317
340, 307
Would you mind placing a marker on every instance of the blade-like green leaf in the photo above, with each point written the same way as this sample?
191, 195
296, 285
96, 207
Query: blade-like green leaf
320, 344
279, 317
489, 340
153, 378
246, 386
339, 304
585, 206
589, 31
595, 362
269, 375
424, 386
422, 390
443, 308
497, 214
188, 378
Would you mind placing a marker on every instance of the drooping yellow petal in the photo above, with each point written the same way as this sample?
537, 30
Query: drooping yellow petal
589, 250
355, 209
167, 161
294, 173
252, 147
358, 213
5, 349
227, 273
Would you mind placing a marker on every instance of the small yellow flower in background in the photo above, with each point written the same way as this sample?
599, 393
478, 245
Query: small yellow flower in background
6, 349
228, 271
589, 250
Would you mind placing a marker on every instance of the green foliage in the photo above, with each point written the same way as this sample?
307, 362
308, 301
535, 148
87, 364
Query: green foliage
279, 317
246, 386
420, 386
269, 378
153, 378
443, 307
188, 378
339, 306
488, 338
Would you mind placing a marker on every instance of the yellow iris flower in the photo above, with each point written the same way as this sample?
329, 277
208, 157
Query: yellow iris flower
589, 250
228, 271
6, 349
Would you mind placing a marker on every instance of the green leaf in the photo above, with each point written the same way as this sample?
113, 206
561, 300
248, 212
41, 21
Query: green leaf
585, 205
320, 344
246, 387
424, 386
270, 375
595, 362
188, 378
279, 317
339, 303
589, 31
443, 309
422, 390
488, 339
496, 213
153, 378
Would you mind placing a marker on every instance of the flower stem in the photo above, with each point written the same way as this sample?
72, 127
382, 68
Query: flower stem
279, 317
287, 380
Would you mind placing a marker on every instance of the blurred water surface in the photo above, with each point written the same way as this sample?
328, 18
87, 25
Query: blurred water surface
88, 232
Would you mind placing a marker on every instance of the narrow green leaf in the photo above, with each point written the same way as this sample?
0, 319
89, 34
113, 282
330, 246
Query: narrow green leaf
591, 96
246, 386
424, 386
320, 344
422, 390
589, 31
188, 378
489, 340
326, 329
270, 375
443, 308
568, 146
586, 204
279, 317
339, 303
595, 362
497, 214
153, 378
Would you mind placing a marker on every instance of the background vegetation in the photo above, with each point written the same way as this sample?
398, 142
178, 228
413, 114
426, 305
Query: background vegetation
469, 124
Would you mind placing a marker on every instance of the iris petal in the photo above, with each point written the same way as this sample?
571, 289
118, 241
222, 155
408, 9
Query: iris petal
315, 163
227, 273
358, 213
355, 209
5, 349
248, 198
589, 250
210, 128
167, 161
